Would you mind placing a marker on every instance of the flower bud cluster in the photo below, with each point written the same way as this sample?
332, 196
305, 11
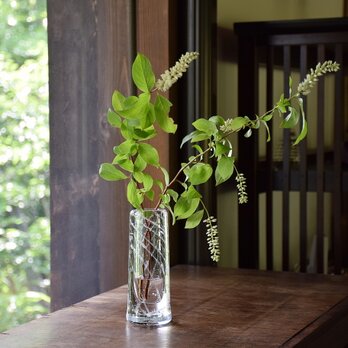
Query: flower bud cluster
169, 77
212, 238
241, 187
308, 83
227, 126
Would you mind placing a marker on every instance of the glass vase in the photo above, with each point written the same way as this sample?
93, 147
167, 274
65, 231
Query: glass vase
148, 268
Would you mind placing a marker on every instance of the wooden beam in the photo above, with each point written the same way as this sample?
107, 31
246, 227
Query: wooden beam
153, 24
156, 38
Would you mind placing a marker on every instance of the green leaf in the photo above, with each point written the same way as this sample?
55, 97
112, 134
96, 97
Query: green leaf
304, 129
171, 213
150, 195
159, 184
303, 133
186, 168
149, 119
198, 148
142, 73
199, 136
127, 165
144, 179
165, 199
138, 176
125, 148
194, 220
291, 119
199, 173
138, 108
162, 107
127, 131
187, 138
218, 120
248, 133
165, 174
290, 85
173, 194
267, 117
224, 169
255, 124
221, 149
118, 100
282, 104
113, 119
205, 126
183, 184
139, 164
238, 123
124, 162
129, 102
133, 195
191, 193
144, 134
267, 129
149, 154
147, 181
185, 207
108, 172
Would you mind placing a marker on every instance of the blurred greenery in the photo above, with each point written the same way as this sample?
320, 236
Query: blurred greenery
24, 160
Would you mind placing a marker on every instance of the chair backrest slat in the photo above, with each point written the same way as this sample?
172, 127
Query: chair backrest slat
320, 165
269, 161
303, 171
337, 170
286, 165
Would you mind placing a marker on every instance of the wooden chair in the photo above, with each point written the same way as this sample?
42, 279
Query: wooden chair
270, 52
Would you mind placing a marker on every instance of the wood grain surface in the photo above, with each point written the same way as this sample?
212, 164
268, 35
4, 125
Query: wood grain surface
212, 307
90, 52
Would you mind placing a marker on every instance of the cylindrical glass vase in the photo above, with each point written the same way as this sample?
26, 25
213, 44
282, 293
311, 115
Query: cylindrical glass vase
148, 268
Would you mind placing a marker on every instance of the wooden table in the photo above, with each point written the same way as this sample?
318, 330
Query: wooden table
212, 307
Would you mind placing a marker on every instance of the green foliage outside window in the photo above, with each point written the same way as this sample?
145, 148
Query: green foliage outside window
24, 158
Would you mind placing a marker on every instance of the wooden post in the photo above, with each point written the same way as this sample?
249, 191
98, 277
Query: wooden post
197, 96
153, 24
248, 223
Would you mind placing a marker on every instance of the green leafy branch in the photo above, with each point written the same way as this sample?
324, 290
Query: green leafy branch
137, 116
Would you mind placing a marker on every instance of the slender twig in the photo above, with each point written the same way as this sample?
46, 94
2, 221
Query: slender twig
164, 191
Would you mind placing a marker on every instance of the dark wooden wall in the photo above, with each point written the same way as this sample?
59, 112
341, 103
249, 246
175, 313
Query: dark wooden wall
90, 50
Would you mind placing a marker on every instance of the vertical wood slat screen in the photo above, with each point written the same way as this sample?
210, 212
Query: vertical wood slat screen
286, 166
293, 47
269, 163
320, 166
337, 171
303, 171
